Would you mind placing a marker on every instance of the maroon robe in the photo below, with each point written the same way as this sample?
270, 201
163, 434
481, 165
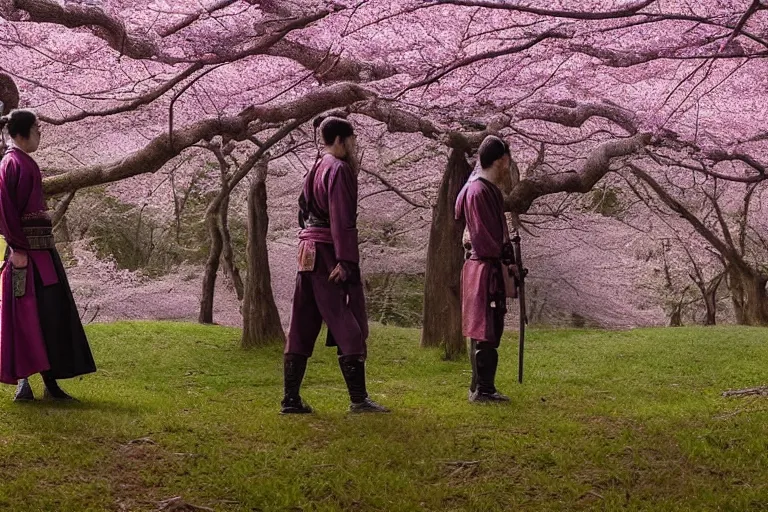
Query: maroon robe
483, 302
40, 331
330, 190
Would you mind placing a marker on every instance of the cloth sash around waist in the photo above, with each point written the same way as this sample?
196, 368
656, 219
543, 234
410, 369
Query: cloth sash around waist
38, 230
317, 235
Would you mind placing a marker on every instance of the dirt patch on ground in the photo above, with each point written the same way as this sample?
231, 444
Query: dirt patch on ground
140, 473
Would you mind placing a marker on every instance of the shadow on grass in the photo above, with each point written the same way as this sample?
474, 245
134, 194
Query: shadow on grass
91, 405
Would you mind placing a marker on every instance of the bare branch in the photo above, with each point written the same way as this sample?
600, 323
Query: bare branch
189, 20
402, 195
144, 99
509, 50
631, 10
686, 214
753, 8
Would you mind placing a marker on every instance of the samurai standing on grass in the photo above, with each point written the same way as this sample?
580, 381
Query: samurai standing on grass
40, 329
328, 284
483, 290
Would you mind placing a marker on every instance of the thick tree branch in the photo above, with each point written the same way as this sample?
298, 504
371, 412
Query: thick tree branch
628, 58
61, 209
399, 120
725, 156
107, 27
718, 156
259, 46
331, 68
573, 114
154, 155
592, 171
744, 217
113, 30
721, 220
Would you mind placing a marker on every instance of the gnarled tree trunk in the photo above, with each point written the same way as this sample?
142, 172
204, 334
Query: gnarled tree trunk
709, 294
676, 315
211, 266
217, 222
750, 301
261, 320
227, 253
445, 257
61, 226
710, 303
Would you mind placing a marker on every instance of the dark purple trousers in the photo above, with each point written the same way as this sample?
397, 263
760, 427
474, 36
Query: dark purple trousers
315, 300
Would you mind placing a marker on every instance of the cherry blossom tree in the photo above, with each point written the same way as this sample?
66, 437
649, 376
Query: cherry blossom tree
130, 89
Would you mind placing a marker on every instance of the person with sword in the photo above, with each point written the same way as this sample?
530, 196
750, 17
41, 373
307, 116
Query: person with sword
489, 275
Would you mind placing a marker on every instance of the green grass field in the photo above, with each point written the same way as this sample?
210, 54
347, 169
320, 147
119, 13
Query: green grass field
605, 421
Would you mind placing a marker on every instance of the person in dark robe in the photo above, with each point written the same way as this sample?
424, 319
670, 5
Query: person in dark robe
328, 285
40, 328
483, 296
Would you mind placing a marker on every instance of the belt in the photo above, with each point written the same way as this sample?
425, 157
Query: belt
316, 222
38, 230
468, 255
39, 238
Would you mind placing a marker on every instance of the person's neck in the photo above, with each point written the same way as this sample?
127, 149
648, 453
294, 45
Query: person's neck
20, 147
488, 175
336, 152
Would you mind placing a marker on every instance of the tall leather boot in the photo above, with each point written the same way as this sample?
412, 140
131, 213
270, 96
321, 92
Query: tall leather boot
353, 370
23, 391
487, 360
52, 390
294, 366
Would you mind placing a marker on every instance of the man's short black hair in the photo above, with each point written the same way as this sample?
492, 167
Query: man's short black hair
20, 123
333, 127
491, 150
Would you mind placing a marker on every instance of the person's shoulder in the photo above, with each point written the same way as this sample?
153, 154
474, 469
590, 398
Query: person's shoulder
338, 164
338, 167
476, 186
10, 159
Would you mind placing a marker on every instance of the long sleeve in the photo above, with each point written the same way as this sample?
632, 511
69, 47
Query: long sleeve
10, 217
342, 208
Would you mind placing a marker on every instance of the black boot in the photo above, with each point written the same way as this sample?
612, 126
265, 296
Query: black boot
486, 361
53, 391
294, 366
23, 392
353, 369
473, 364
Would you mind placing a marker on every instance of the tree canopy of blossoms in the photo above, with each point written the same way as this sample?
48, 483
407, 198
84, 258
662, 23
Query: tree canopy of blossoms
666, 96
